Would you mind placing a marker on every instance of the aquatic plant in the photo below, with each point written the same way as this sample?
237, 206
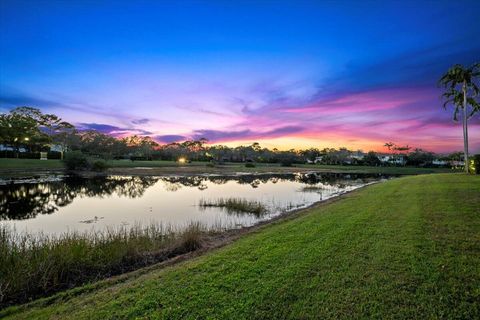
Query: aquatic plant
236, 205
34, 265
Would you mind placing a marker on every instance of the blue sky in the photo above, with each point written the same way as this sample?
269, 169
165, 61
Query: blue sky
284, 73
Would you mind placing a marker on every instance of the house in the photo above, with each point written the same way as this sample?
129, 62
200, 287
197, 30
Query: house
8, 148
438, 162
358, 155
456, 163
395, 159
318, 159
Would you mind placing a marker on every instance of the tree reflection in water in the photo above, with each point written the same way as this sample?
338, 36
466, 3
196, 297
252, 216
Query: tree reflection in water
27, 200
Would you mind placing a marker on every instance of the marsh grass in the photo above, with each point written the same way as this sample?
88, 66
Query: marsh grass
313, 188
39, 265
236, 205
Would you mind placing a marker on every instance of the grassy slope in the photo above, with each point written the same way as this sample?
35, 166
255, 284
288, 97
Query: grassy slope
407, 248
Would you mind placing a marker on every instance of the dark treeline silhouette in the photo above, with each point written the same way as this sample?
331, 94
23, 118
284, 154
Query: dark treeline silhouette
26, 131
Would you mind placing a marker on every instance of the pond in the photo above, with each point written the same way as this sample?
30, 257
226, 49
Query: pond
57, 204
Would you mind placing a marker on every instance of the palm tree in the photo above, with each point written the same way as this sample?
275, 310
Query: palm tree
461, 89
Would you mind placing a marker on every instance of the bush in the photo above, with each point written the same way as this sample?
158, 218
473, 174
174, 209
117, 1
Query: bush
75, 160
99, 165
286, 163
476, 164
54, 155
250, 165
29, 155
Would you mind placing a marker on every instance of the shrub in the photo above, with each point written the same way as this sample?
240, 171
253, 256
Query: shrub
29, 155
75, 160
476, 164
286, 163
54, 155
250, 165
99, 165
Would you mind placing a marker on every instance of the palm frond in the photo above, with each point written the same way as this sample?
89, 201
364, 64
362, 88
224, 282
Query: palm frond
455, 113
475, 107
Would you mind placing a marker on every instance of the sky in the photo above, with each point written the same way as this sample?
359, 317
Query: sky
286, 74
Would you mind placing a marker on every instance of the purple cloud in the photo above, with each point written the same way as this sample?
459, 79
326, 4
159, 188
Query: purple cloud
224, 135
169, 138
140, 121
112, 130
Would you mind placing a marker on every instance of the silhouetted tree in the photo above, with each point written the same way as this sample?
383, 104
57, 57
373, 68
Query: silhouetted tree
462, 90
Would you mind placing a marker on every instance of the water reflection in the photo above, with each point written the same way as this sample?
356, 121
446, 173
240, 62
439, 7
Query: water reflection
27, 200
54, 206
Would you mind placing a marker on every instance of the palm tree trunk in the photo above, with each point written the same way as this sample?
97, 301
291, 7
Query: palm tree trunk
465, 128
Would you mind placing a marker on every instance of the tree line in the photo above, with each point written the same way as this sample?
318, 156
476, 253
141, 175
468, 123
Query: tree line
28, 130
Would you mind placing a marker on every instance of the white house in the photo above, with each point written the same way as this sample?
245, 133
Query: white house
397, 159
318, 159
438, 162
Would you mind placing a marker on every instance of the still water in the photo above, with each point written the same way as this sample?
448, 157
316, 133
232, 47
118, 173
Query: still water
57, 204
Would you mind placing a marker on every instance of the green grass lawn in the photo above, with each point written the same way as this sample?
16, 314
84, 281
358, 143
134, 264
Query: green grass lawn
9, 163
368, 169
150, 164
406, 248
201, 167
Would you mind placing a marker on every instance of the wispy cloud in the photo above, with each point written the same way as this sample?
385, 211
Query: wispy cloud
112, 130
140, 121
224, 135
169, 138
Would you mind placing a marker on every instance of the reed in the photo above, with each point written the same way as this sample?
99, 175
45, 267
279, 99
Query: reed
34, 265
236, 205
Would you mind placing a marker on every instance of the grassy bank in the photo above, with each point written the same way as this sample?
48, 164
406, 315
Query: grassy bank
406, 248
7, 163
25, 167
39, 265
368, 169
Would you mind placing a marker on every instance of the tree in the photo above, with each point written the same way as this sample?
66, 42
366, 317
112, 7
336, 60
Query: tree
420, 157
461, 91
21, 127
372, 159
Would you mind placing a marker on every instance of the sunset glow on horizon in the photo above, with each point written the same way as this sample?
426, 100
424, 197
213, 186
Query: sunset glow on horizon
284, 74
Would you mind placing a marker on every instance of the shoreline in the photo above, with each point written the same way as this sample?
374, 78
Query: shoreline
226, 170
210, 242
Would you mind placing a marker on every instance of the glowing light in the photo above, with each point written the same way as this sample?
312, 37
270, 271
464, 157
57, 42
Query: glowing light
27, 138
182, 160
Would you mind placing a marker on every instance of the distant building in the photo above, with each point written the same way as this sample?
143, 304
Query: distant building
438, 162
456, 163
396, 159
318, 159
7, 148
357, 155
